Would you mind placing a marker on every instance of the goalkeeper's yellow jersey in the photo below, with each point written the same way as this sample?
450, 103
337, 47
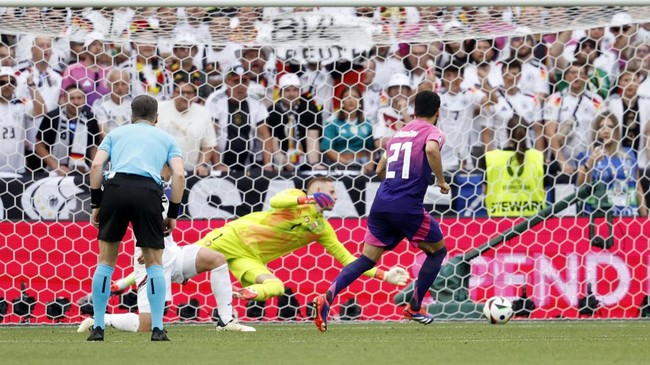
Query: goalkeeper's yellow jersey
286, 227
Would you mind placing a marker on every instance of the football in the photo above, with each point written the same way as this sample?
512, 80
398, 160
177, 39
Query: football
498, 310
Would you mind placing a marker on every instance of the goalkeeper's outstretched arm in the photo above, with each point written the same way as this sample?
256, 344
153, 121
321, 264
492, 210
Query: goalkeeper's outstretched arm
287, 199
294, 197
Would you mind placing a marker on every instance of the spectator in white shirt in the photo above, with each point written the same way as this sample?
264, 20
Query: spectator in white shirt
633, 113
259, 62
419, 61
114, 109
7, 56
513, 102
191, 125
569, 115
239, 120
148, 73
14, 114
482, 55
398, 110
112, 22
318, 87
195, 24
44, 77
166, 19
68, 136
296, 128
586, 51
534, 75
48, 84
640, 63
386, 64
372, 93
459, 109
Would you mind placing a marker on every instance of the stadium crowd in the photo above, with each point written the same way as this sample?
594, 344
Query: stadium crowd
237, 107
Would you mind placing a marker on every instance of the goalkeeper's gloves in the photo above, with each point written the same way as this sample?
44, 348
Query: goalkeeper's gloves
396, 276
120, 285
116, 290
323, 200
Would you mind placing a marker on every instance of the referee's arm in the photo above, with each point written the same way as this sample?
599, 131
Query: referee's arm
96, 172
177, 187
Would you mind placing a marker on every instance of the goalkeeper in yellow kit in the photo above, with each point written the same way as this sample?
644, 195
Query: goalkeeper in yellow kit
294, 221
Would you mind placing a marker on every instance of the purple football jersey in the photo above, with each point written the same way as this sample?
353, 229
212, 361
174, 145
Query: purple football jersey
407, 169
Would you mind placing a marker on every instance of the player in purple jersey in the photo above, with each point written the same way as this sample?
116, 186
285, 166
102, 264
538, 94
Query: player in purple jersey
398, 209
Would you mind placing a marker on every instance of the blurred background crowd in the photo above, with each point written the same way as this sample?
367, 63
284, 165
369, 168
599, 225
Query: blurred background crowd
566, 106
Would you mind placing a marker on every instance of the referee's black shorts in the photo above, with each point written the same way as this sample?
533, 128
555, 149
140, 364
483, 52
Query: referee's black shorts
136, 199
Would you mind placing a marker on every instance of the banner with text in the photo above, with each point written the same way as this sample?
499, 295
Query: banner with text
217, 197
554, 261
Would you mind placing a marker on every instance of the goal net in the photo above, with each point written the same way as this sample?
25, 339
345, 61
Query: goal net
536, 104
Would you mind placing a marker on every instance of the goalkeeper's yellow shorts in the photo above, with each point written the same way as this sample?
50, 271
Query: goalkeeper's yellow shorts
245, 265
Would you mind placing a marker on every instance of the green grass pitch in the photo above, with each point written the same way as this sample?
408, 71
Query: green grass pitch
527, 342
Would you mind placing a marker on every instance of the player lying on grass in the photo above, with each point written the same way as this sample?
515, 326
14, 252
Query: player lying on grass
179, 264
294, 221
397, 212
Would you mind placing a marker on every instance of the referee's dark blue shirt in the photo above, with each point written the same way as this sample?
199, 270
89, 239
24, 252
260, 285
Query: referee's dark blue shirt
140, 149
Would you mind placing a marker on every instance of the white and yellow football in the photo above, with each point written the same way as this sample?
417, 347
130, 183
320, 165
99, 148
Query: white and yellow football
498, 310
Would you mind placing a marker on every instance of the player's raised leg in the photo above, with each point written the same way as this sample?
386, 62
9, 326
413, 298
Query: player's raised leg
266, 287
429, 239
379, 237
350, 273
258, 281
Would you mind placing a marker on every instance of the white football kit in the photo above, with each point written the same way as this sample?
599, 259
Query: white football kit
575, 116
387, 119
534, 78
13, 117
457, 115
525, 106
179, 265
110, 115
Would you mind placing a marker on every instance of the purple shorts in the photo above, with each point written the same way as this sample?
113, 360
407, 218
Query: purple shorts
388, 229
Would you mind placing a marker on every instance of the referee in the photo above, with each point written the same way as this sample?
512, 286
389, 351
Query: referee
132, 193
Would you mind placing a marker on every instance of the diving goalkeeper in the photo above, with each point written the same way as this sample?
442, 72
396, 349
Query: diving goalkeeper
180, 264
294, 221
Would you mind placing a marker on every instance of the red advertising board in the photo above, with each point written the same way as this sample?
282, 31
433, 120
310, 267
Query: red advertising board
554, 260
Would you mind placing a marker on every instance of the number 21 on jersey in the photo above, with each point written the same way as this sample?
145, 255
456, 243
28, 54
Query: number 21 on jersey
396, 150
